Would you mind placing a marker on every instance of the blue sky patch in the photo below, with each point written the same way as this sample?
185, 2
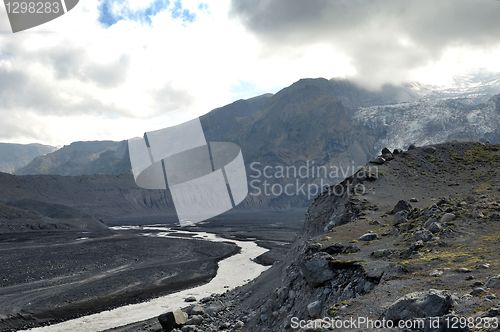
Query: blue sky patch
113, 11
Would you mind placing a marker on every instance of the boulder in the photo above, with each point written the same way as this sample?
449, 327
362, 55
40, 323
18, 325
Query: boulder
386, 151
172, 319
316, 270
214, 307
388, 156
340, 248
412, 147
435, 227
197, 310
478, 291
400, 216
194, 320
493, 282
423, 235
432, 303
368, 237
397, 151
314, 309
380, 253
190, 299
378, 161
447, 217
401, 206
429, 149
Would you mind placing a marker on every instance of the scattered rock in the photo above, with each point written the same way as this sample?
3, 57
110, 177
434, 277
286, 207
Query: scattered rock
417, 245
400, 216
493, 312
339, 248
412, 147
386, 151
239, 324
368, 237
397, 151
435, 227
378, 161
429, 149
436, 273
190, 299
493, 282
484, 266
172, 319
381, 253
423, 235
413, 200
463, 270
388, 156
214, 307
316, 270
314, 309
447, 217
194, 320
432, 303
401, 206
478, 291
197, 310
190, 328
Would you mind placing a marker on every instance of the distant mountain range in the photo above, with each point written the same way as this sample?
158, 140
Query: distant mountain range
79, 158
325, 122
14, 156
317, 119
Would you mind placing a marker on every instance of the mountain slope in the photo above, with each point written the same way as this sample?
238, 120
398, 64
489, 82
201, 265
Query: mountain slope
14, 156
79, 158
331, 124
101, 197
420, 241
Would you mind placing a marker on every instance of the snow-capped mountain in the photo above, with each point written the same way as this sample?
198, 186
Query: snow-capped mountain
467, 110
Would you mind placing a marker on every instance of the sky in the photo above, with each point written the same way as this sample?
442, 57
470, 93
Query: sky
114, 69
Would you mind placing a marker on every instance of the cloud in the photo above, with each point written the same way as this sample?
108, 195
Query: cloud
383, 38
114, 69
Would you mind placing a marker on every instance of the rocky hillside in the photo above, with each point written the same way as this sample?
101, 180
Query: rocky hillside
82, 158
14, 156
26, 216
411, 236
100, 197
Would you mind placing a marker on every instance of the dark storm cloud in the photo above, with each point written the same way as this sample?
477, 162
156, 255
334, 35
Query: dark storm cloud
373, 32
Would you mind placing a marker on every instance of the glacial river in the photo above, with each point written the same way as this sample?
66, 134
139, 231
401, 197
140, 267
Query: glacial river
233, 271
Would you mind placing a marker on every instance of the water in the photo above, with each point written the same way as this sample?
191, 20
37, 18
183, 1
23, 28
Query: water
233, 271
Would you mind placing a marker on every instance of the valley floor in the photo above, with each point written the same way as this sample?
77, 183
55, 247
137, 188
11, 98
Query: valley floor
52, 276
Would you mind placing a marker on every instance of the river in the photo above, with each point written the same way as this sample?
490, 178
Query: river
233, 271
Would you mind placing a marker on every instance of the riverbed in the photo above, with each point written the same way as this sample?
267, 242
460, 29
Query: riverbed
232, 272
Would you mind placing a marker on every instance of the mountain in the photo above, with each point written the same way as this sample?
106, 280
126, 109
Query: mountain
318, 124
79, 158
99, 197
431, 121
420, 242
14, 156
